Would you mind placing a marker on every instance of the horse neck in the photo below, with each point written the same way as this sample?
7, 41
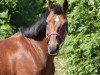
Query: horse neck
40, 45
43, 45
47, 60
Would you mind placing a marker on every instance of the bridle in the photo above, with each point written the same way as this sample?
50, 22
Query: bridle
54, 33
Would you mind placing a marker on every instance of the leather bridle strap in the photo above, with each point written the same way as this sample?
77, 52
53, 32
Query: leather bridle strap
53, 33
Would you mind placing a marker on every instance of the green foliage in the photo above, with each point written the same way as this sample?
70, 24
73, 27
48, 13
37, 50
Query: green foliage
5, 31
5, 28
82, 49
17, 13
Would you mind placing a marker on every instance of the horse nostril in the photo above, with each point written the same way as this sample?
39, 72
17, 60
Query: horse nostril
57, 47
53, 48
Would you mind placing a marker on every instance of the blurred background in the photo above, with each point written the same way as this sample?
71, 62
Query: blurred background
80, 54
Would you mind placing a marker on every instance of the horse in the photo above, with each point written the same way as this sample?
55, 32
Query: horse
31, 50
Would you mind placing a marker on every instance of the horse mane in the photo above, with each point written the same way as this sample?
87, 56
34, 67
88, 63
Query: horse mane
37, 30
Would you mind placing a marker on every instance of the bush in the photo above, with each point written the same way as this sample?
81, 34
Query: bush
82, 49
17, 13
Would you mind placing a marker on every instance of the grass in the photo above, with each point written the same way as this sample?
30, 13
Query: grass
60, 61
60, 64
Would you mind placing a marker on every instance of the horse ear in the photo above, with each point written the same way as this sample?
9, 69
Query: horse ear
50, 6
65, 6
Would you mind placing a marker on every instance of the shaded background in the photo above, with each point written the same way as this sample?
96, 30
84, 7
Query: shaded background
80, 54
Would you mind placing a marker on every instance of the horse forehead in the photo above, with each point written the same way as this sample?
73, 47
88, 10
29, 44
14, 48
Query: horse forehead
56, 18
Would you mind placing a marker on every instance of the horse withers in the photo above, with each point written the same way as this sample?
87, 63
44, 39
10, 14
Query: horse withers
31, 51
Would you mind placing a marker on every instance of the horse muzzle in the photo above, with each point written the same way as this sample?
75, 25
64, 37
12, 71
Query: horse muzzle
53, 49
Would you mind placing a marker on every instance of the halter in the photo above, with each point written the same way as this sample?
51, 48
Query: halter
54, 33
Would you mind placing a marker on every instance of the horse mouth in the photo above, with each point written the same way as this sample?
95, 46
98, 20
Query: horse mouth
53, 53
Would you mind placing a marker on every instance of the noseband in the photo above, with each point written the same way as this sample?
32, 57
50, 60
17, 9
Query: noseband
54, 33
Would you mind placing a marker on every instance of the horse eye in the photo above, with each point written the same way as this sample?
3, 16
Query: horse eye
66, 25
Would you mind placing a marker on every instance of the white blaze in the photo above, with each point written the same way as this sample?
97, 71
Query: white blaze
57, 19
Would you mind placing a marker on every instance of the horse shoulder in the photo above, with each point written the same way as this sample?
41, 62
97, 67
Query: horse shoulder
27, 58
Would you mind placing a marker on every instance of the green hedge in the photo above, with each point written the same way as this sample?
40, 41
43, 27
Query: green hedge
17, 13
82, 46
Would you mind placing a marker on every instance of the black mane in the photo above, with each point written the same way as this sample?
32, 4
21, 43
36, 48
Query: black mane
37, 30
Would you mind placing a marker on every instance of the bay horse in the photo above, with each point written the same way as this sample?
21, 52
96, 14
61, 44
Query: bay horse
31, 51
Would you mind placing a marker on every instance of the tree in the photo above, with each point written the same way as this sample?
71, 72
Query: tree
17, 13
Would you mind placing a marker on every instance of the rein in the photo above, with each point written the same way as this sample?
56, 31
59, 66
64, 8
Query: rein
54, 33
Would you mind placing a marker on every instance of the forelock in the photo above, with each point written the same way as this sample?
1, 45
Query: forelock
57, 10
